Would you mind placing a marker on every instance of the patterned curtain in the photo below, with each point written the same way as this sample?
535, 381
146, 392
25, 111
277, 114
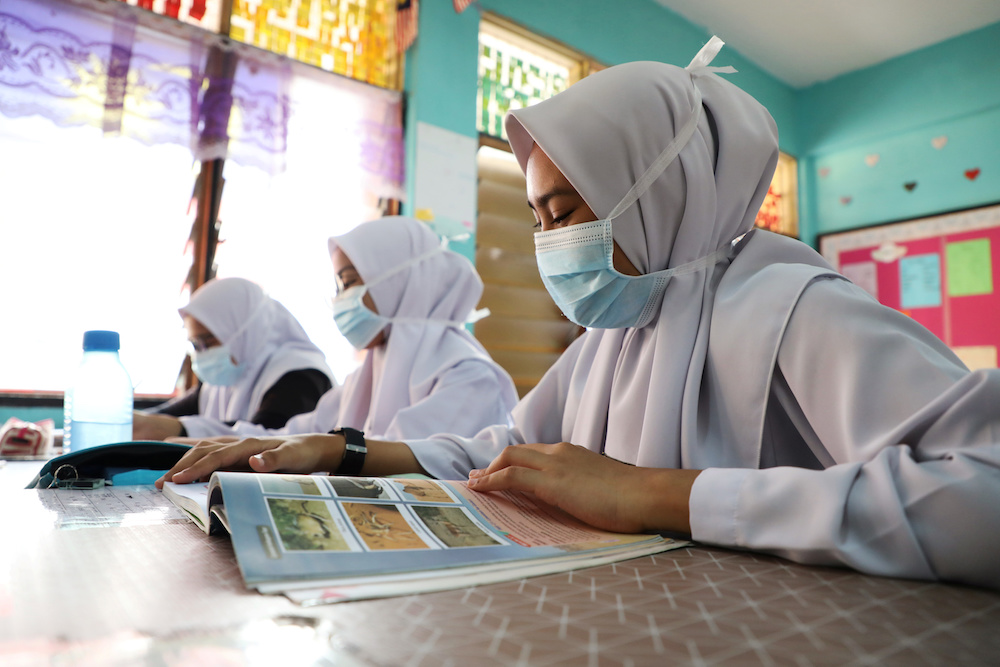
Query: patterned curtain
135, 74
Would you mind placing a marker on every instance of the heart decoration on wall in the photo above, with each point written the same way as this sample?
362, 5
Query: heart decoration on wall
910, 186
972, 174
872, 160
824, 172
939, 142
845, 200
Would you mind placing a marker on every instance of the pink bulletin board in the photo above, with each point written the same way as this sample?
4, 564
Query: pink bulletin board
943, 271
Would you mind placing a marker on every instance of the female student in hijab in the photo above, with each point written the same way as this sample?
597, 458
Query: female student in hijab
253, 358
403, 301
741, 390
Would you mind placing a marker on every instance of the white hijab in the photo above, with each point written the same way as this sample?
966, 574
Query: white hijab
260, 333
651, 396
431, 299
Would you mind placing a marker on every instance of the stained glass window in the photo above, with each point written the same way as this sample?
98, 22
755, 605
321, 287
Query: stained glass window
514, 75
349, 37
779, 212
202, 13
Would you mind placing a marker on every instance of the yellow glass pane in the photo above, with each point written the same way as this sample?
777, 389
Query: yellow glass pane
349, 37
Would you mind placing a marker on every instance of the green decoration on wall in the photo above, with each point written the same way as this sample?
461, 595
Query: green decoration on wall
969, 267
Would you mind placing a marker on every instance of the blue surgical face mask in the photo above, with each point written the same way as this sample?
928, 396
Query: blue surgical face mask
215, 366
576, 264
356, 322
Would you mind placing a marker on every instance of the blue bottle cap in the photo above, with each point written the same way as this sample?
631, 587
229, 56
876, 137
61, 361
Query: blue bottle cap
102, 341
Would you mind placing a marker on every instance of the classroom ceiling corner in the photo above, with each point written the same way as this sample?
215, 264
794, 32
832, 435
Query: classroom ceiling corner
802, 42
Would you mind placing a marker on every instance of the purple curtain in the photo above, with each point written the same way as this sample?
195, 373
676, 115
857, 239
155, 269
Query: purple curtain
135, 74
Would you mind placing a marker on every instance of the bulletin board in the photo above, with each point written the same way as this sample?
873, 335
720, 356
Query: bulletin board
941, 270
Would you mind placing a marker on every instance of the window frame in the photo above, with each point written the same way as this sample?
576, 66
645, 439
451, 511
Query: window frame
206, 196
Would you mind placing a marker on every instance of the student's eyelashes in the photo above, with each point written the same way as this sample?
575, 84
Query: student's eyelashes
556, 222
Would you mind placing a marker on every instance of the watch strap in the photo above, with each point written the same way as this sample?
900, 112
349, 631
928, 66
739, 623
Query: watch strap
355, 451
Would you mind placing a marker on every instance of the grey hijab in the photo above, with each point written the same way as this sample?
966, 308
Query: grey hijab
655, 395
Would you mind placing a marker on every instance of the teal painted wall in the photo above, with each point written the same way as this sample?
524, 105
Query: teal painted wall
893, 110
869, 133
31, 413
441, 65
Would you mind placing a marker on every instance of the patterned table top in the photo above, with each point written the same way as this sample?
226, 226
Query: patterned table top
159, 591
694, 606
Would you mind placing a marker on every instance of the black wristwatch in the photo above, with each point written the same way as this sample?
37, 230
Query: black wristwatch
354, 451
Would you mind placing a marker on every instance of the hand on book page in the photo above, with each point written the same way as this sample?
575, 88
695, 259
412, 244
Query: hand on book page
296, 453
595, 489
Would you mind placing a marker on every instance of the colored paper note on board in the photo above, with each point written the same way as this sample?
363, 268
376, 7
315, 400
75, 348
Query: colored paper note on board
862, 274
920, 281
969, 267
977, 356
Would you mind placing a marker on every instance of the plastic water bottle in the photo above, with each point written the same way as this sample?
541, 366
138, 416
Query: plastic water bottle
97, 408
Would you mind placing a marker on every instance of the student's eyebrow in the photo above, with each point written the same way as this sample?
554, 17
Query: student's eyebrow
543, 199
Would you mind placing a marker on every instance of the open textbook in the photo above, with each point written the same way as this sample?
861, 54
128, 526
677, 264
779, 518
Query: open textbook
320, 539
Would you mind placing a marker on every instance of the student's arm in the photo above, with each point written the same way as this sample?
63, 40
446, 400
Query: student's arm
537, 417
155, 427
181, 406
910, 443
291, 453
295, 392
161, 422
464, 400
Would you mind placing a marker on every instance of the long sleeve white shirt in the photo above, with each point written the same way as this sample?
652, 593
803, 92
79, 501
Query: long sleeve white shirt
888, 462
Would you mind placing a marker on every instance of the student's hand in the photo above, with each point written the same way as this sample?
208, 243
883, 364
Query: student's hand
597, 490
291, 453
147, 426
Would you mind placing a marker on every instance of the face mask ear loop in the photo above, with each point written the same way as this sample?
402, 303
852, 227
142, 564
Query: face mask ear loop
446, 241
405, 265
699, 65
476, 315
662, 161
257, 311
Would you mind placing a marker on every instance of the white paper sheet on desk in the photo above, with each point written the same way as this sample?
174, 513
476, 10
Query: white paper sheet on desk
109, 506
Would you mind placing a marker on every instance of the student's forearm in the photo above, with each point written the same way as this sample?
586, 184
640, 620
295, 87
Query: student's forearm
665, 499
387, 457
305, 453
384, 457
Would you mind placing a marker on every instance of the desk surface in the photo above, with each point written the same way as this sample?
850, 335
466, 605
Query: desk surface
154, 589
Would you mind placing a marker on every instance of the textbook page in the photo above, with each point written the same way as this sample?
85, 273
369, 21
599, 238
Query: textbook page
192, 498
307, 531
